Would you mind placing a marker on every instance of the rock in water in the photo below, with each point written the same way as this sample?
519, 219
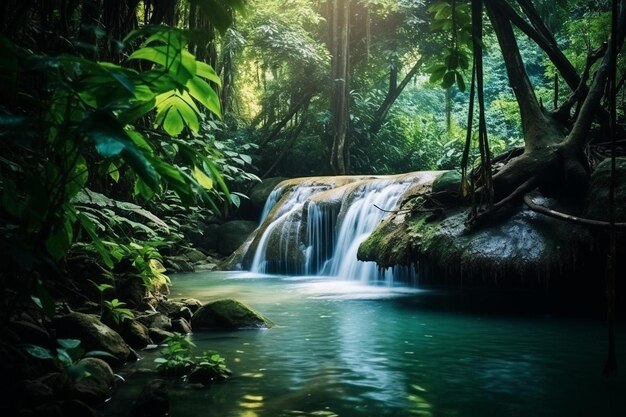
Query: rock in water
228, 314
94, 335
95, 387
153, 401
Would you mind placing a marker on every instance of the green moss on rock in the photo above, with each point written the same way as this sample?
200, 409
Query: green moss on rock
228, 314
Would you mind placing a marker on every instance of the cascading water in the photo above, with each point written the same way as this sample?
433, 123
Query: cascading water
306, 230
360, 219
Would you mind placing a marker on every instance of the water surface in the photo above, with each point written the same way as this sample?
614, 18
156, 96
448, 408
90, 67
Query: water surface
341, 348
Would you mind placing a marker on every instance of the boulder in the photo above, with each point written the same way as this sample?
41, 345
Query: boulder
205, 237
131, 290
30, 332
195, 256
135, 333
155, 321
178, 264
96, 387
153, 401
184, 313
159, 335
447, 187
181, 326
232, 234
261, 191
94, 335
228, 314
168, 307
191, 303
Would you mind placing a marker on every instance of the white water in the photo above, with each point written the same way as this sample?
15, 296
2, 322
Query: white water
329, 241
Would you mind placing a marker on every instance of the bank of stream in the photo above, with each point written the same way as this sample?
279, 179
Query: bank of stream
343, 348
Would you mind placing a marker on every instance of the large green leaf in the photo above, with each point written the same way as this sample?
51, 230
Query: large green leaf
201, 91
204, 70
176, 110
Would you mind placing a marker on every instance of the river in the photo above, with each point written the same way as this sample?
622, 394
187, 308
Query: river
343, 348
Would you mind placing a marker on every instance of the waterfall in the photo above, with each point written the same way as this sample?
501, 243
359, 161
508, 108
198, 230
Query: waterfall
363, 214
314, 226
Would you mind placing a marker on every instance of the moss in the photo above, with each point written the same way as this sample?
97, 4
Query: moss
228, 314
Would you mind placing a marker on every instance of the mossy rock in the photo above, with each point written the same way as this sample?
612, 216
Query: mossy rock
232, 234
228, 314
262, 190
597, 201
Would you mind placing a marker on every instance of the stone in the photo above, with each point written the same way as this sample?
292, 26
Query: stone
194, 255
181, 326
184, 312
155, 320
168, 307
96, 387
191, 303
262, 190
207, 376
94, 335
232, 234
178, 264
447, 187
153, 401
131, 290
34, 392
228, 314
159, 335
135, 333
206, 267
205, 237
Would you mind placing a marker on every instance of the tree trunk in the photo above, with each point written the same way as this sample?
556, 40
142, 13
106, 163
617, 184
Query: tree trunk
339, 158
553, 158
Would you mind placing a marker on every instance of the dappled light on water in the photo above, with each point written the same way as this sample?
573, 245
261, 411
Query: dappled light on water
341, 348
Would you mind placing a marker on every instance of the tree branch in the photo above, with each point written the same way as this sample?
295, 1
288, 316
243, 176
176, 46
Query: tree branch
568, 217
306, 98
392, 96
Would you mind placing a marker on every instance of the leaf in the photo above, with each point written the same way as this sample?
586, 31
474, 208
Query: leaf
39, 352
156, 266
460, 82
219, 16
68, 343
46, 302
234, 198
204, 70
114, 172
201, 91
437, 72
202, 178
448, 79
100, 353
175, 111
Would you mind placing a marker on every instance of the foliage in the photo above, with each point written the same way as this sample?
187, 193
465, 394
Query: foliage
213, 366
117, 311
175, 359
66, 355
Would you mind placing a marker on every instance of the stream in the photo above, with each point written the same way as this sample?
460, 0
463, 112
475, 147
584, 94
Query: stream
344, 348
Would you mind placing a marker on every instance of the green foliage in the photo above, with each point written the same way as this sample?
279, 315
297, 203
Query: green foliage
66, 355
175, 359
117, 311
213, 366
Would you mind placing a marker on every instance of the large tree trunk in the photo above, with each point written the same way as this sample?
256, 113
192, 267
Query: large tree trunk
339, 157
553, 158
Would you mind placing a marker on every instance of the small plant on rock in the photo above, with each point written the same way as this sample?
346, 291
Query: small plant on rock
118, 311
175, 358
211, 367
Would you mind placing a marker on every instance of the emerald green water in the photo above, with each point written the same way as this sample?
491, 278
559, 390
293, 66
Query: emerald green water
345, 349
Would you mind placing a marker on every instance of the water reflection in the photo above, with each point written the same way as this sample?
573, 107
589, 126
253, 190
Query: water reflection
351, 351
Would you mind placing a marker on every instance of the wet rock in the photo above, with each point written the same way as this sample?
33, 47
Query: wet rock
191, 303
33, 393
207, 376
135, 333
131, 290
447, 187
195, 256
181, 326
206, 267
153, 401
205, 236
261, 191
228, 314
232, 234
178, 264
159, 335
168, 307
96, 387
155, 321
184, 312
94, 335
